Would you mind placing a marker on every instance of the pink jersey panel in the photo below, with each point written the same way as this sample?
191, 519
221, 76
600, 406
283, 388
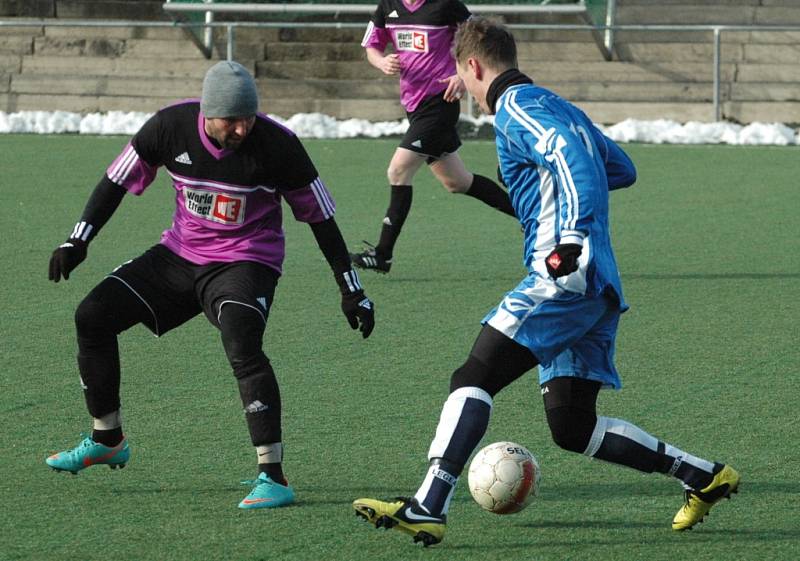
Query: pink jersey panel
131, 172
311, 204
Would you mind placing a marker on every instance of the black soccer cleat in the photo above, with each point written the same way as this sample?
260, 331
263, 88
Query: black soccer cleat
370, 260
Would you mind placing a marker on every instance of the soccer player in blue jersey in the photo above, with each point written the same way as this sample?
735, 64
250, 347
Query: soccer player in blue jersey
562, 316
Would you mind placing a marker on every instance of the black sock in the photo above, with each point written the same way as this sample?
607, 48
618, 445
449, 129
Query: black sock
108, 438
274, 471
489, 192
396, 214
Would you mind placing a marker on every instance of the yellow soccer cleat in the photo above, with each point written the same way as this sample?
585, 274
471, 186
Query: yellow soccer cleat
404, 514
698, 503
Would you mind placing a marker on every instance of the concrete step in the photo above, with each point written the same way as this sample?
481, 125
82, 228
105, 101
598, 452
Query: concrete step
80, 103
687, 13
768, 73
176, 88
370, 109
23, 30
111, 9
323, 70
301, 35
354, 89
158, 33
152, 48
551, 51
765, 91
329, 89
77, 47
762, 111
778, 15
16, 44
638, 92
610, 112
677, 52
677, 4
104, 47
313, 51
539, 71
626, 72
99, 66
772, 54
10, 63
728, 37
606, 112
28, 8
558, 51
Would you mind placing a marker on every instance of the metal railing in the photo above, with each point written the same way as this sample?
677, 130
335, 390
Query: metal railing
716, 30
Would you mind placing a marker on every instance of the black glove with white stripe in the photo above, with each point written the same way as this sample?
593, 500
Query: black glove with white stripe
357, 308
70, 254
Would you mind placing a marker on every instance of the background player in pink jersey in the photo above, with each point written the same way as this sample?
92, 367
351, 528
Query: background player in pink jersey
231, 167
421, 32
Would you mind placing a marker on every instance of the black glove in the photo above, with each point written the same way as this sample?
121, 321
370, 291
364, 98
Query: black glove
357, 308
66, 257
359, 311
563, 260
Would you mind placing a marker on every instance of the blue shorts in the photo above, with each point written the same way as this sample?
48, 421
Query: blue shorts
570, 334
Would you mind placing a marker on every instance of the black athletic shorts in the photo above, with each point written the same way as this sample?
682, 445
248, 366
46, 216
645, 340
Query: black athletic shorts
176, 290
432, 128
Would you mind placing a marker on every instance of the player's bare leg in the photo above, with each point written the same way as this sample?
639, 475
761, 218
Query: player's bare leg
454, 176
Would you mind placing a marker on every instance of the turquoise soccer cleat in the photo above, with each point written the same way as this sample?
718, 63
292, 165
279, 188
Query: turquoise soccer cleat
267, 493
89, 453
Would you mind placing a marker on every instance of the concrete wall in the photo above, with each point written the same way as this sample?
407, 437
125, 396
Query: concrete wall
654, 75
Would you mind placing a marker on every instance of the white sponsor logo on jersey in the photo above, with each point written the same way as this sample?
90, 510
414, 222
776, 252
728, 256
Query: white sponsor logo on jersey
225, 209
413, 41
184, 159
393, 14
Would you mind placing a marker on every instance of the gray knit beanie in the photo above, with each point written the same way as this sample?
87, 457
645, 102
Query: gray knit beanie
229, 91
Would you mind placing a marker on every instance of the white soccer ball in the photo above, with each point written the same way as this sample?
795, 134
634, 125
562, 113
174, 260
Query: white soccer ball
504, 477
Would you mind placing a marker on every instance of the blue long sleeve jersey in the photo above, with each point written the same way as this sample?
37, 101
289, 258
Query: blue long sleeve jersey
559, 169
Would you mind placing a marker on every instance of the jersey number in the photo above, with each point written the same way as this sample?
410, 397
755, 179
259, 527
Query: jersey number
584, 134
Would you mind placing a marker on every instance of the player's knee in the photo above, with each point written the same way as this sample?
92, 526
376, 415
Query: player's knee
571, 428
399, 174
454, 184
473, 373
242, 330
94, 318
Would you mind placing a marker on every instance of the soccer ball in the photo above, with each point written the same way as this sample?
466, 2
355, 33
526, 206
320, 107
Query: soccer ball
504, 477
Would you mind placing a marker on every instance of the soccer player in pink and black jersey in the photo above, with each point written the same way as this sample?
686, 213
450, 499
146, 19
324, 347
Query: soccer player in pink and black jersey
231, 167
421, 32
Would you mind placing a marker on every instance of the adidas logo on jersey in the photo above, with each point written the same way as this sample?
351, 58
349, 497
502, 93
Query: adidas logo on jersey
417, 144
393, 14
184, 159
